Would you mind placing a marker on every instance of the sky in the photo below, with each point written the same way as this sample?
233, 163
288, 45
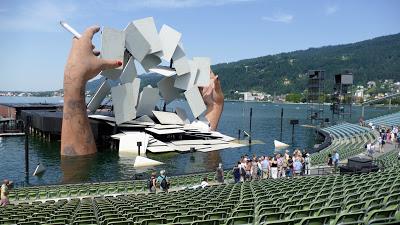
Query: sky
34, 47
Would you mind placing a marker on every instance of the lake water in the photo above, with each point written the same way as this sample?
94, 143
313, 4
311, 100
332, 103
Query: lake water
109, 166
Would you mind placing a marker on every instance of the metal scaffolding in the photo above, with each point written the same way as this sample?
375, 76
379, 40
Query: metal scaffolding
316, 95
342, 98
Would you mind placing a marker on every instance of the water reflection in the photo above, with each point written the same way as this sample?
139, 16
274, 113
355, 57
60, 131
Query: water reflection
76, 169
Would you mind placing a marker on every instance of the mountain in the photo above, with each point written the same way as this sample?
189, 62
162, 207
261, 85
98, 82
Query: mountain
146, 79
373, 59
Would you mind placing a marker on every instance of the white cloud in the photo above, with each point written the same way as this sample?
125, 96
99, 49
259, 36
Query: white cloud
279, 17
331, 9
36, 16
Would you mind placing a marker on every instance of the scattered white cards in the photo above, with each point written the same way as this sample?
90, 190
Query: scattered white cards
140, 43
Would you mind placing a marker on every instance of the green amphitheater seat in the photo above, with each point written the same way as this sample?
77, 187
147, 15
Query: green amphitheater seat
215, 215
356, 207
240, 220
29, 223
208, 222
393, 204
291, 208
116, 218
153, 221
242, 212
120, 223
269, 217
283, 222
264, 210
199, 212
330, 210
171, 215
316, 220
380, 216
301, 213
344, 218
185, 218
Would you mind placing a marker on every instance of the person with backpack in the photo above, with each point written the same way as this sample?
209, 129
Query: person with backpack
151, 183
163, 181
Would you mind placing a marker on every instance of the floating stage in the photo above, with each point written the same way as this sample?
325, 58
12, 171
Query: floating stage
153, 136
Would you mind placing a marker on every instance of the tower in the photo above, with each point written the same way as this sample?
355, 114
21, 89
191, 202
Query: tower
342, 98
316, 95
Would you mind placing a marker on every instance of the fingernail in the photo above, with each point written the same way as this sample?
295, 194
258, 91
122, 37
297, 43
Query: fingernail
119, 63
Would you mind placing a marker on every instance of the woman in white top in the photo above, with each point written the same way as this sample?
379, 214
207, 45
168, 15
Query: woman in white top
204, 183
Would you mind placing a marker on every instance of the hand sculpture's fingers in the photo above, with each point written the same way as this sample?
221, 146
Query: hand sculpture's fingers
106, 64
96, 53
212, 75
89, 32
217, 84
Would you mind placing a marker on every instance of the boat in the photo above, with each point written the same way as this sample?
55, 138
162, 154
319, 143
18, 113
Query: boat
279, 144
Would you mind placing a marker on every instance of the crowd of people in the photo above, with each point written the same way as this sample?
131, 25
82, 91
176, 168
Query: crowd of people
388, 135
276, 166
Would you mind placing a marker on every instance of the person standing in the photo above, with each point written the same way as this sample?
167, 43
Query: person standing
265, 168
163, 181
242, 169
369, 148
274, 168
152, 183
307, 164
279, 161
4, 193
254, 169
220, 174
289, 171
248, 170
335, 159
329, 160
236, 172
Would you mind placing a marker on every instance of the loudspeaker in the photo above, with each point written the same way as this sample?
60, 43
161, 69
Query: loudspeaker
344, 79
359, 163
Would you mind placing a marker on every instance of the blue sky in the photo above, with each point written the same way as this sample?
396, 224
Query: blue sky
34, 48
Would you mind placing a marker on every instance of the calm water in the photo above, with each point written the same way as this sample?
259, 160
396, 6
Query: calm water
109, 166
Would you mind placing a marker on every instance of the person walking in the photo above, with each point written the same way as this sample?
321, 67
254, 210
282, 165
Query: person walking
152, 183
220, 174
163, 181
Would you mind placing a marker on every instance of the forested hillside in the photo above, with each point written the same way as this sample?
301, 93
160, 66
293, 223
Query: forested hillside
374, 59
